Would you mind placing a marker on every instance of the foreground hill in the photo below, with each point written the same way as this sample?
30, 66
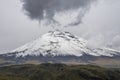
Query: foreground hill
58, 72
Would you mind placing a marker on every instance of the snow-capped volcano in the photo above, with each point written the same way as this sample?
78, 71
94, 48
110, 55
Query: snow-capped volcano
59, 43
54, 43
58, 46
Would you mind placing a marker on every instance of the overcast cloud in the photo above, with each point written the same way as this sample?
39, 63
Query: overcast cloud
100, 24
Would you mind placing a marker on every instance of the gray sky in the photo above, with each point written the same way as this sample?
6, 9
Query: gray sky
100, 24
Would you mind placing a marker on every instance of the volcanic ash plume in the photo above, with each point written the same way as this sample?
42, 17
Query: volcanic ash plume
60, 12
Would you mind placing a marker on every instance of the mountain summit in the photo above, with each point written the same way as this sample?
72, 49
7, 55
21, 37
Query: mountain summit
54, 43
58, 46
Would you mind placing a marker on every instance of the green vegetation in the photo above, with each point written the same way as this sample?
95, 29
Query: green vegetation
58, 72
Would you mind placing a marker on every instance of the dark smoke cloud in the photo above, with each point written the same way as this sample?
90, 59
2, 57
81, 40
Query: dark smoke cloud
36, 9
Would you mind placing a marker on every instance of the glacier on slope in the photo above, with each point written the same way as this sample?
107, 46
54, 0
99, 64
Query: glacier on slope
59, 43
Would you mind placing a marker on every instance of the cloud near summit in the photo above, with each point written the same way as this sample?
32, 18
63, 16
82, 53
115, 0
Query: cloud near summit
47, 9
